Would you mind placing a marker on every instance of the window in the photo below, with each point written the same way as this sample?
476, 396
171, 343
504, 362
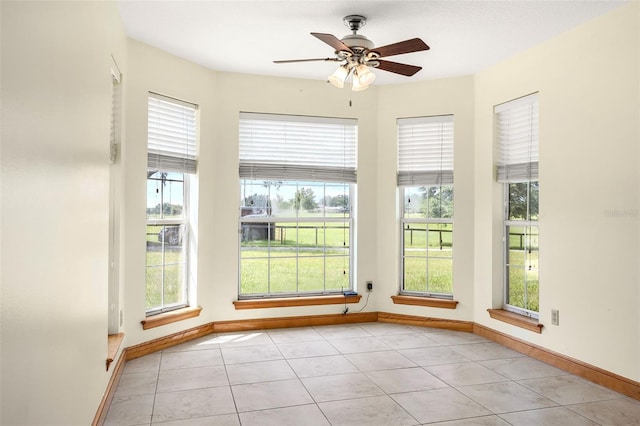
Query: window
297, 188
425, 181
517, 132
171, 162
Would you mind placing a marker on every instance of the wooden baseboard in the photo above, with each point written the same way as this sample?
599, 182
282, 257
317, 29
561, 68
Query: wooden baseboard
456, 325
112, 385
590, 372
165, 342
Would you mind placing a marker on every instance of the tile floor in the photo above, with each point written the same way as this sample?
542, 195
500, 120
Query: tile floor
365, 374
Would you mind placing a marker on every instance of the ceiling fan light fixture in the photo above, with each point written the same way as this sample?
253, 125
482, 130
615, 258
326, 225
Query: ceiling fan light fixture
339, 76
357, 85
364, 75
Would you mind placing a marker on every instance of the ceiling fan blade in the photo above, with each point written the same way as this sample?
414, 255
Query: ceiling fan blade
287, 61
407, 46
332, 41
398, 68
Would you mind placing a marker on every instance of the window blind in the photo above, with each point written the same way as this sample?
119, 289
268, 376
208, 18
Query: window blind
516, 127
171, 135
425, 150
288, 147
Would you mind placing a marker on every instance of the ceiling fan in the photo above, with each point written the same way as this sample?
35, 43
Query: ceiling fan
358, 53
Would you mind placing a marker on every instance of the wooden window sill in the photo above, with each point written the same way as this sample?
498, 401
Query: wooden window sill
114, 341
515, 319
286, 302
170, 317
424, 301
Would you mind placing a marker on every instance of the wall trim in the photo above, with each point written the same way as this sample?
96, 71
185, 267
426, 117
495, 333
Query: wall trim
456, 325
112, 385
590, 372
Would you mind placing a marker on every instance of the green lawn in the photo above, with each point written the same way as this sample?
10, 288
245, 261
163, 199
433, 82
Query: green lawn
317, 270
156, 294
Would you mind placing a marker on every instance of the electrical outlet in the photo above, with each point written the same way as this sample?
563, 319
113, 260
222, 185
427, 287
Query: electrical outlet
555, 317
369, 285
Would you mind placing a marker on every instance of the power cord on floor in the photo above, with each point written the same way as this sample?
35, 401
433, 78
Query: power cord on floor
365, 302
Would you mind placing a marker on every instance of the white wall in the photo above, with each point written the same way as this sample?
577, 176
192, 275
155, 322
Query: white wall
588, 82
56, 109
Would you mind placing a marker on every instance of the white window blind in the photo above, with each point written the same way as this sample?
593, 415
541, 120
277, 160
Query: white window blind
171, 135
425, 151
291, 147
517, 132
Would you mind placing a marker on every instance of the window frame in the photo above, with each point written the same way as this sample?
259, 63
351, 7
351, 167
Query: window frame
516, 127
427, 220
347, 219
184, 222
426, 151
172, 145
506, 248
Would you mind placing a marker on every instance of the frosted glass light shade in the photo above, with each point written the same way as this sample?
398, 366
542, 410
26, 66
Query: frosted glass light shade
365, 76
339, 76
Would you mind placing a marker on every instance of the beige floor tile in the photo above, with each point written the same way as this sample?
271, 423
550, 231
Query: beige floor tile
408, 341
434, 355
192, 378
476, 421
547, 416
622, 411
130, 410
143, 364
191, 359
522, 368
221, 420
439, 405
207, 342
568, 389
485, 351
307, 349
137, 384
190, 404
339, 387
268, 352
267, 395
248, 338
385, 360
385, 329
322, 366
341, 331
309, 415
380, 410
466, 373
254, 372
405, 380
360, 344
505, 397
294, 335
449, 337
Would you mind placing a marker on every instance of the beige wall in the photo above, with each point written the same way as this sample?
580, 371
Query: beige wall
221, 97
437, 97
56, 109
587, 81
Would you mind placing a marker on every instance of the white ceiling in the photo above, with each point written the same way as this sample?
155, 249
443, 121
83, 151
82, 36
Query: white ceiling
246, 36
